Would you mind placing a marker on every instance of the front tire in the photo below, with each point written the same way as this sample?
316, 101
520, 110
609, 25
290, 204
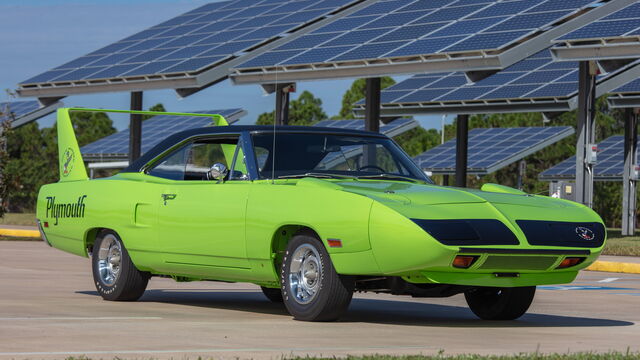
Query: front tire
312, 290
115, 276
490, 303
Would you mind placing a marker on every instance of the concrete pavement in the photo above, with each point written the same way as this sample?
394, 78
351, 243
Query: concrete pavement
49, 309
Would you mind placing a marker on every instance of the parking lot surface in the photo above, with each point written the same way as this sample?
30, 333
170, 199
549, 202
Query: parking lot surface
49, 309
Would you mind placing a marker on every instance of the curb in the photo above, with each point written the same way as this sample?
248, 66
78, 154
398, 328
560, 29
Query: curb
20, 233
617, 267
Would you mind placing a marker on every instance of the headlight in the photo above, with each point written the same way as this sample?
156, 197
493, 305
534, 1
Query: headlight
469, 231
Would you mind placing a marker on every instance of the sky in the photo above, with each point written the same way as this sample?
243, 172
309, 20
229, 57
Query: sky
37, 35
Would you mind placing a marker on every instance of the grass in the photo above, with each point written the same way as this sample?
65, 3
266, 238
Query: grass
26, 219
524, 356
622, 245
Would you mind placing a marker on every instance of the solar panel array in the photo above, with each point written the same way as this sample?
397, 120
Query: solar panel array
610, 165
622, 23
393, 128
534, 77
403, 28
193, 41
17, 109
154, 130
630, 87
491, 149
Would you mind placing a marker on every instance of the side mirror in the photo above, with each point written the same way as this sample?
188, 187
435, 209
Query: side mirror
217, 172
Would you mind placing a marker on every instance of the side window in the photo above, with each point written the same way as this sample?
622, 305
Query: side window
172, 167
193, 161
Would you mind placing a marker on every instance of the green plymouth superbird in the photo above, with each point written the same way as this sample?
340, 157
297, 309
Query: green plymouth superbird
311, 215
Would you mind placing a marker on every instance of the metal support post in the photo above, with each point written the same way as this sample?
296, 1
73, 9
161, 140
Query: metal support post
462, 144
628, 176
372, 116
282, 103
585, 131
135, 127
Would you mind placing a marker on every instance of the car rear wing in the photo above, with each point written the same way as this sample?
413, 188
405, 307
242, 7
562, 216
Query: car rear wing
72, 166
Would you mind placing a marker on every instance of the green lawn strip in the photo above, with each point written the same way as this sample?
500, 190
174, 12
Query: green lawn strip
528, 356
19, 238
621, 245
25, 219
524, 356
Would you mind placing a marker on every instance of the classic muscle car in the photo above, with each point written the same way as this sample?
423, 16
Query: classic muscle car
311, 215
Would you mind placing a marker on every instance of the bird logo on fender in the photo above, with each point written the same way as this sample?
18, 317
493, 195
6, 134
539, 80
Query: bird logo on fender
67, 162
585, 233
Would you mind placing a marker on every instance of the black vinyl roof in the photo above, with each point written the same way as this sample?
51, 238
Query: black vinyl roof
174, 139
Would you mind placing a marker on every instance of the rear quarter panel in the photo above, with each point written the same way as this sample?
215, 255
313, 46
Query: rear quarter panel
74, 212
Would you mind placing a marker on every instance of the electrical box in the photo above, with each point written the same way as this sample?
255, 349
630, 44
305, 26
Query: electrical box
591, 157
562, 190
635, 173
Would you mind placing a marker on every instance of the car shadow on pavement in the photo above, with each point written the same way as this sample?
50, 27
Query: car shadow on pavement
379, 311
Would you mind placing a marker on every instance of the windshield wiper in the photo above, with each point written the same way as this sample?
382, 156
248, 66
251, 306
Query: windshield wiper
316, 175
390, 177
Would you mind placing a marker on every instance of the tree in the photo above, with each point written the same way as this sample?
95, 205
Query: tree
33, 155
157, 107
305, 110
356, 93
414, 141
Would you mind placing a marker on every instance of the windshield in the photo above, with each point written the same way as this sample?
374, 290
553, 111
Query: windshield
329, 155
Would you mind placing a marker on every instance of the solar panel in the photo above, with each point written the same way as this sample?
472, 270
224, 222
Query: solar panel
615, 36
491, 149
23, 112
622, 23
16, 109
189, 43
533, 81
610, 165
154, 130
395, 30
393, 128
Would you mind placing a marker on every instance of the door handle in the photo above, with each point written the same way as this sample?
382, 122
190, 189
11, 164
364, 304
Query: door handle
166, 197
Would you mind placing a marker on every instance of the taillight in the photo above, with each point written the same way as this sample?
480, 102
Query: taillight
464, 261
42, 234
569, 262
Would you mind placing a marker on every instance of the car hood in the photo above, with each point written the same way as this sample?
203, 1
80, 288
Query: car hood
425, 194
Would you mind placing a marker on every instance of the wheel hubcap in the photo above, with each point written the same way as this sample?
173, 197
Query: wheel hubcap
109, 260
305, 274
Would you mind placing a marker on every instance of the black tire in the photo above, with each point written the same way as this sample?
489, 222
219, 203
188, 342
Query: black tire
126, 283
490, 303
275, 295
333, 292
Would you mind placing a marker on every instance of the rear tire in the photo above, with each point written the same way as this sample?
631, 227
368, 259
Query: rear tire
275, 295
490, 303
312, 290
115, 276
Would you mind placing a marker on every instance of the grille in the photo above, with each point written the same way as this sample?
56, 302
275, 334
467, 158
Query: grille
510, 262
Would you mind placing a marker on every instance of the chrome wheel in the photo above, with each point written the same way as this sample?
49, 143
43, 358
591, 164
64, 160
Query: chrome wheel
305, 274
109, 259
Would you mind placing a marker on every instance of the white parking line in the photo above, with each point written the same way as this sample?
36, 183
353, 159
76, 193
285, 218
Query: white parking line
608, 280
83, 318
308, 349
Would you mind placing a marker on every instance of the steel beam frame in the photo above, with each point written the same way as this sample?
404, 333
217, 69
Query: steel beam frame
586, 131
135, 127
462, 147
628, 178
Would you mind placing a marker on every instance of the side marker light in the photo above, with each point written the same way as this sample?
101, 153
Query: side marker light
336, 243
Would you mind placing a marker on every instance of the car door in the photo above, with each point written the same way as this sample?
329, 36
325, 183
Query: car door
201, 221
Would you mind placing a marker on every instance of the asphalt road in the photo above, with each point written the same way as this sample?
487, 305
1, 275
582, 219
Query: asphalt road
49, 309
